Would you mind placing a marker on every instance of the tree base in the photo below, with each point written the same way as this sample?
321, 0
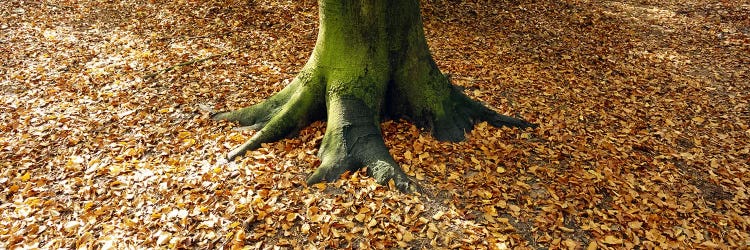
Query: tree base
370, 61
353, 136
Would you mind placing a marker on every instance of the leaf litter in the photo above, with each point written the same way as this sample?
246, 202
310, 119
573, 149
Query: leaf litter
643, 143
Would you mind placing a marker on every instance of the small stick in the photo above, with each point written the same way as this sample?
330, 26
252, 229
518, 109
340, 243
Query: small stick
191, 62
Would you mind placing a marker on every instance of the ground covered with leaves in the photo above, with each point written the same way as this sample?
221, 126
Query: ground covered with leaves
643, 106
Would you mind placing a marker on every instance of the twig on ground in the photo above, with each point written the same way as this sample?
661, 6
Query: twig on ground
188, 63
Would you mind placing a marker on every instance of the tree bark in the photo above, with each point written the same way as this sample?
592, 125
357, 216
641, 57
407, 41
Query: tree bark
370, 62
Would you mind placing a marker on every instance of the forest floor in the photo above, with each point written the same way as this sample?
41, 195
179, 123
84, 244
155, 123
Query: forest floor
643, 106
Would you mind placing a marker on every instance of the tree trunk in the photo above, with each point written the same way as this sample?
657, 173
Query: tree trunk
370, 62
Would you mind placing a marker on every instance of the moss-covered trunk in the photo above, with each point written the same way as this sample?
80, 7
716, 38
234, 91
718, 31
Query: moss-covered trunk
370, 61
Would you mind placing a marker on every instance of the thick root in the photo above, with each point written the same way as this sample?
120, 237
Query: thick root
353, 140
462, 113
285, 113
277, 128
255, 116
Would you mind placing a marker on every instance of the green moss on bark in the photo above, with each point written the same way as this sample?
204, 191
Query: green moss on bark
370, 61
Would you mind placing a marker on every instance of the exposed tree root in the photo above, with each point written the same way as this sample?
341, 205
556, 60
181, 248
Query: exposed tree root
353, 140
462, 113
353, 136
285, 113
